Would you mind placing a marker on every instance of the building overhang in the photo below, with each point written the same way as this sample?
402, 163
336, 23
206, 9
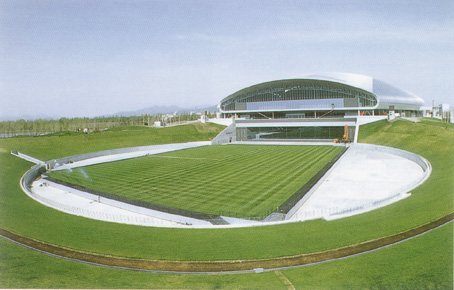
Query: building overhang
298, 110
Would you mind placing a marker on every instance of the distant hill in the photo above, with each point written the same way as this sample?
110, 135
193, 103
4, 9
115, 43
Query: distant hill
35, 116
150, 110
164, 110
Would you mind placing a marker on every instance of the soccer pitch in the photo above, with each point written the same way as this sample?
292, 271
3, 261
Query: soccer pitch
247, 181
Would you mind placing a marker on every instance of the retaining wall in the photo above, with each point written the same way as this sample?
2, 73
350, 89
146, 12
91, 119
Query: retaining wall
31, 175
228, 135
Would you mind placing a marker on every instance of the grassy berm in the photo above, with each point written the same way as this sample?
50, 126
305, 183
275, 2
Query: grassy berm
424, 262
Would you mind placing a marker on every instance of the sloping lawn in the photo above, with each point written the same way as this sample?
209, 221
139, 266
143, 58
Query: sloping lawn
421, 263
428, 202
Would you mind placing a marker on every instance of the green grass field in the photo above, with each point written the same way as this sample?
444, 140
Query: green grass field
71, 143
421, 263
236, 180
437, 123
424, 262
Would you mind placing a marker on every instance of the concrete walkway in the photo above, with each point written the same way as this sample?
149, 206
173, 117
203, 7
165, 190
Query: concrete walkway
362, 180
27, 157
91, 208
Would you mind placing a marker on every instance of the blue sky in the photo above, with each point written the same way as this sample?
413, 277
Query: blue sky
91, 58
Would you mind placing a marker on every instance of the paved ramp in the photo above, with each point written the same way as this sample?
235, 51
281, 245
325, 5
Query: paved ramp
363, 180
27, 157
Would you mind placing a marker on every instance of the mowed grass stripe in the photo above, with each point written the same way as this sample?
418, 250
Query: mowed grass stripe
258, 150
228, 162
238, 201
260, 164
239, 180
285, 183
211, 167
260, 181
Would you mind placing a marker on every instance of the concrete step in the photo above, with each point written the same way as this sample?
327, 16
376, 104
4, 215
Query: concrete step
219, 221
275, 217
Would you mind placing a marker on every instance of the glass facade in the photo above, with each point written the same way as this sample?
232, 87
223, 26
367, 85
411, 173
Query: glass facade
296, 104
298, 94
290, 133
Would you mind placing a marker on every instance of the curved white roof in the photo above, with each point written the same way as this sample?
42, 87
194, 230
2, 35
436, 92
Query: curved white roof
386, 93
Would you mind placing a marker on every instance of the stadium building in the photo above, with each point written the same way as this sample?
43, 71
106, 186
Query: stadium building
326, 106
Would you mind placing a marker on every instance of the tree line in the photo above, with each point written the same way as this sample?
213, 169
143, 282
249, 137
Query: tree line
46, 126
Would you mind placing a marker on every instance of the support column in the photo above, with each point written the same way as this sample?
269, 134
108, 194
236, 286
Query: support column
355, 139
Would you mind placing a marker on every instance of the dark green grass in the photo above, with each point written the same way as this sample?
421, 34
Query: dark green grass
24, 268
424, 262
235, 180
436, 122
428, 202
